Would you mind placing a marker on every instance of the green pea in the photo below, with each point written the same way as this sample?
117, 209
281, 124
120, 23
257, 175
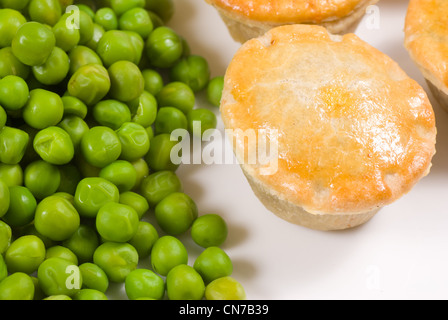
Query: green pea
134, 140
142, 169
209, 230
170, 119
58, 276
144, 109
98, 33
33, 43
17, 286
5, 237
83, 243
85, 27
13, 144
25, 254
42, 179
3, 268
101, 146
74, 106
184, 283
136, 201
45, 11
67, 36
14, 92
117, 222
159, 156
43, 109
225, 288
168, 252
213, 263
137, 20
153, 81
92, 194
81, 56
76, 128
87, 9
163, 8
11, 174
144, 283
214, 90
144, 239
163, 47
14, 4
127, 82
90, 295
30, 229
4, 198
10, 22
120, 45
93, 277
54, 70
10, 65
111, 113
193, 71
121, 173
175, 213
107, 18
62, 252
90, 83
54, 145
116, 259
21, 208
178, 95
121, 6
56, 218
159, 185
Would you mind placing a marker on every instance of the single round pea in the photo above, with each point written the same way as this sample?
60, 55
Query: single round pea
85, 27
93, 277
159, 185
66, 34
101, 146
153, 81
25, 254
90, 295
3, 268
81, 56
90, 83
11, 174
159, 156
137, 20
107, 18
21, 208
116, 259
184, 283
168, 252
4, 198
98, 33
144, 109
14, 93
111, 113
214, 90
127, 82
54, 70
163, 8
58, 276
45, 11
136, 201
117, 222
213, 263
92, 194
163, 47
10, 22
17, 286
121, 173
83, 243
225, 288
33, 43
176, 213
121, 6
43, 109
170, 119
75, 107
209, 230
56, 218
134, 140
144, 239
10, 65
120, 45
76, 128
144, 283
58, 251
54, 145
193, 71
177, 94
201, 122
5, 236
13, 144
42, 178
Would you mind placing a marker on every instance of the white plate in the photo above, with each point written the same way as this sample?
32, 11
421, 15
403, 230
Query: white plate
400, 254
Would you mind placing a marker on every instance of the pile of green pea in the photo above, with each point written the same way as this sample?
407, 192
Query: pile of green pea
88, 98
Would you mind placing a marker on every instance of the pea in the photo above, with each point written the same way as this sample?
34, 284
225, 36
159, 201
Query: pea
117, 222
21, 208
163, 8
13, 144
54, 145
209, 230
116, 259
225, 288
134, 140
58, 276
163, 47
98, 33
193, 71
121, 6
127, 82
177, 94
42, 179
14, 92
93, 277
55, 69
33, 43
30, 229
101, 146
142, 170
43, 109
176, 213
153, 81
214, 90
25, 254
81, 56
144, 239
213, 263
5, 237
10, 65
137, 20
17, 286
144, 283
11, 174
159, 185
107, 18
90, 294
120, 45
76, 128
3, 268
10, 22
167, 252
121, 173
111, 113
62, 252
4, 198
159, 154
45, 11
83, 243
136, 201
74, 106
67, 36
87, 9
170, 119
143, 109
14, 4
92, 194
56, 218
184, 283
85, 27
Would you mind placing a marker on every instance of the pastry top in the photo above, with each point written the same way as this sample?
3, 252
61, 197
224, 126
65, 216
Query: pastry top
289, 11
426, 38
354, 131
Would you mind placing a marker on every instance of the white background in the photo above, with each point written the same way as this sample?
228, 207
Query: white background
402, 253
